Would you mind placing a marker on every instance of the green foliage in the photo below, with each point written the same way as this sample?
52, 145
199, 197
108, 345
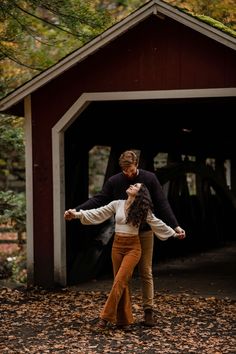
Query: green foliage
13, 267
217, 25
12, 137
223, 11
5, 266
13, 210
12, 163
18, 269
35, 34
35, 25
12, 148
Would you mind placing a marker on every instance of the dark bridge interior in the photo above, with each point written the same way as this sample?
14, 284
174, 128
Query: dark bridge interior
190, 131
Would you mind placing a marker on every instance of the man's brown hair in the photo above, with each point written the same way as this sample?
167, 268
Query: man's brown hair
128, 158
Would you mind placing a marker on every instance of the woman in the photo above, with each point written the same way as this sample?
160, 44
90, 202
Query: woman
130, 214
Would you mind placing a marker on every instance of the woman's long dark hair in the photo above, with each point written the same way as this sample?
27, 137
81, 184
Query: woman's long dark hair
140, 207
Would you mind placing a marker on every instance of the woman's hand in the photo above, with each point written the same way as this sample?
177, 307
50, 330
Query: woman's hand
69, 214
180, 233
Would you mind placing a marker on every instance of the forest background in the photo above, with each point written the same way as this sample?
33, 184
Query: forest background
34, 35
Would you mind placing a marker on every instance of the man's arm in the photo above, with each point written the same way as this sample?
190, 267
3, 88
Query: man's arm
98, 200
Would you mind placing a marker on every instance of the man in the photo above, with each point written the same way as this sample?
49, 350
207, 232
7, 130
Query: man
115, 188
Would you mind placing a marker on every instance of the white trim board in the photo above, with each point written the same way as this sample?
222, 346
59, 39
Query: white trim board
29, 191
58, 154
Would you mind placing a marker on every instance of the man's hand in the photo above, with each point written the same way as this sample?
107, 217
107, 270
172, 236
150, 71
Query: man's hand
69, 214
180, 233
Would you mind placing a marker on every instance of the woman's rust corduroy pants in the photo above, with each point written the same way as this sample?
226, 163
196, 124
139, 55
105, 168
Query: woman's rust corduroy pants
126, 253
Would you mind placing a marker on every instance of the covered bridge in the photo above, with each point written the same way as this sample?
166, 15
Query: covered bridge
159, 81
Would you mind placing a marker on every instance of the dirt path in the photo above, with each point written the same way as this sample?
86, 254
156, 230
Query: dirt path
211, 273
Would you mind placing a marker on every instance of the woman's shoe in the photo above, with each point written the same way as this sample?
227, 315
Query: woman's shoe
125, 328
102, 324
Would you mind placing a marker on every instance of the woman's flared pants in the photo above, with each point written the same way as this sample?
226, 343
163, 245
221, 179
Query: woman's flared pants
126, 253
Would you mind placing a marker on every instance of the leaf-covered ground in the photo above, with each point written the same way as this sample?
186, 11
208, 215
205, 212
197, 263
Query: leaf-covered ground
62, 321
